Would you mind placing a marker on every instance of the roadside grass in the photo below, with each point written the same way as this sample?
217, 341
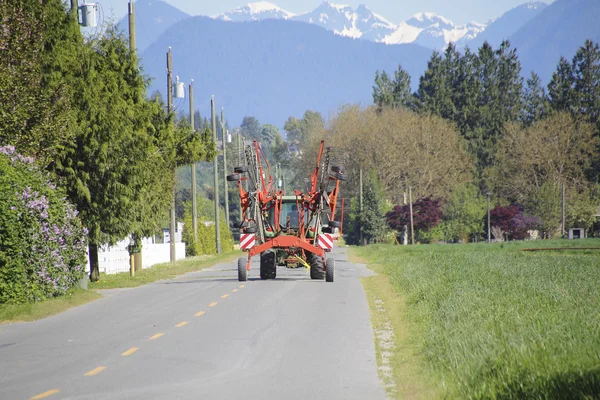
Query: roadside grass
33, 311
491, 321
161, 271
42, 309
400, 367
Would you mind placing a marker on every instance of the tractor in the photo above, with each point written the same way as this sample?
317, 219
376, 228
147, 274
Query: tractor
291, 230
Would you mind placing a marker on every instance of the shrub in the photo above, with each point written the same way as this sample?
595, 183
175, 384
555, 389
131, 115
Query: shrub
42, 242
206, 243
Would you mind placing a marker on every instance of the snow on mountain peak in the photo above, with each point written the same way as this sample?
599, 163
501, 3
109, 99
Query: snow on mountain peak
426, 19
425, 28
256, 11
260, 6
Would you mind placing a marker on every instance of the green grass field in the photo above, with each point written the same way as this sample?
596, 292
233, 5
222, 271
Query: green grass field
492, 321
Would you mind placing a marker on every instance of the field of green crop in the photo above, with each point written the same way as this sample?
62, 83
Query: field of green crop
492, 321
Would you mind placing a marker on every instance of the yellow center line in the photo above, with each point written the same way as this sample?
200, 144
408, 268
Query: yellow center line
95, 371
130, 351
214, 303
225, 296
156, 336
199, 314
182, 323
45, 394
235, 290
241, 286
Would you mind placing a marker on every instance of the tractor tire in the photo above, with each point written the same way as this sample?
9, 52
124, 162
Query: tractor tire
242, 271
316, 266
334, 224
251, 229
241, 170
233, 177
329, 269
268, 265
338, 168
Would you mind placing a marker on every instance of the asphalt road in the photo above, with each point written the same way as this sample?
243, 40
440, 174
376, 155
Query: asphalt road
203, 336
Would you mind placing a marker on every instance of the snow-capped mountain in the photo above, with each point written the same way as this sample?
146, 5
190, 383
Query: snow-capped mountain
255, 12
427, 29
432, 31
345, 21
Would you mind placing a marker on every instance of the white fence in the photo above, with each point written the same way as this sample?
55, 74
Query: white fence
114, 259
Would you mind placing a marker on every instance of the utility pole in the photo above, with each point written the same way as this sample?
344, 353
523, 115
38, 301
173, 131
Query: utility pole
489, 233
194, 184
169, 110
226, 193
131, 28
563, 225
239, 140
360, 198
216, 165
412, 226
405, 236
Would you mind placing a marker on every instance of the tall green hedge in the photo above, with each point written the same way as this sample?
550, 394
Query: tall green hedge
206, 243
42, 242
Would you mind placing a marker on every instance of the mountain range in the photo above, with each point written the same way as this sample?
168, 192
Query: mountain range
427, 29
272, 64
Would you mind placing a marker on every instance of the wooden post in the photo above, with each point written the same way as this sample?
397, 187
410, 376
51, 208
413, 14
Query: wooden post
412, 227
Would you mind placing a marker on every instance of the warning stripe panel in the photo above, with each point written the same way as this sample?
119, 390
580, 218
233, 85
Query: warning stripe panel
247, 240
325, 241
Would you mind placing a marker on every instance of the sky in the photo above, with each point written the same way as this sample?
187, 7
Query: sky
396, 11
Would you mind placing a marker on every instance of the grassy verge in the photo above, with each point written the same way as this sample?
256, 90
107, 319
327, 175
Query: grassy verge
34, 311
401, 368
161, 271
491, 321
43, 309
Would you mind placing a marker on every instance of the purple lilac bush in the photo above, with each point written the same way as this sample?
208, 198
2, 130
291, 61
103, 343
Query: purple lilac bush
42, 241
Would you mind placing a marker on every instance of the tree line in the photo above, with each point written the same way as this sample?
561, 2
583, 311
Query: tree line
473, 131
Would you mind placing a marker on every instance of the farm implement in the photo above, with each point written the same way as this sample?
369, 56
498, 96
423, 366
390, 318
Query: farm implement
293, 230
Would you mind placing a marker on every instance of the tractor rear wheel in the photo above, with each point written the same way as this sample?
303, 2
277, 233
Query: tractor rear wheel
242, 272
316, 266
268, 265
329, 269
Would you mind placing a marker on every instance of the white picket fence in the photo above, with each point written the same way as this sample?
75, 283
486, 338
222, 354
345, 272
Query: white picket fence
114, 259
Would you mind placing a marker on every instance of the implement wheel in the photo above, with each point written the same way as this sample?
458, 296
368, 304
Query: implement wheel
329, 269
268, 265
317, 270
242, 272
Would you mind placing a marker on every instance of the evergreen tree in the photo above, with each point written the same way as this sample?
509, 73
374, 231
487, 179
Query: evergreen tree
250, 128
433, 94
35, 113
586, 76
383, 91
535, 102
561, 87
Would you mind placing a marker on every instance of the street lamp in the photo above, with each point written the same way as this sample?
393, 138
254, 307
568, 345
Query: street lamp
488, 194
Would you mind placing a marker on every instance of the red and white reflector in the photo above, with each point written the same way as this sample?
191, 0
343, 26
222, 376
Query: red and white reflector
325, 241
247, 241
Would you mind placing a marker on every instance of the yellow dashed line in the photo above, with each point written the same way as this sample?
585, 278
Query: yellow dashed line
213, 304
241, 286
45, 394
225, 296
182, 323
199, 314
156, 336
95, 371
130, 351
235, 290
